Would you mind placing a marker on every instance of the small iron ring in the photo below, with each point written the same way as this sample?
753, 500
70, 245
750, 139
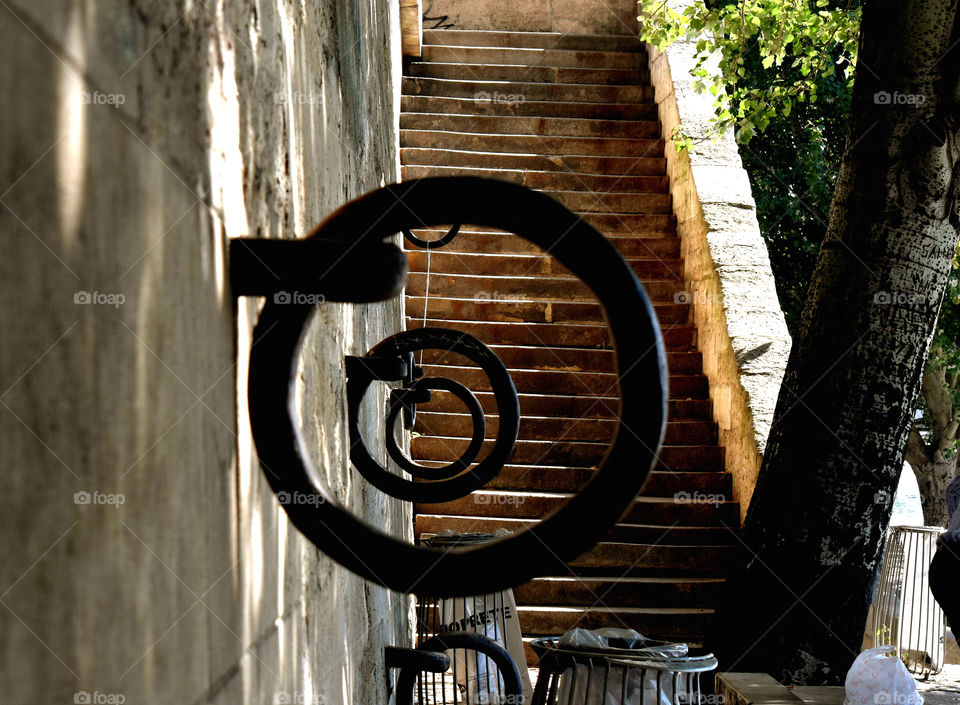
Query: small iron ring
476, 442
432, 244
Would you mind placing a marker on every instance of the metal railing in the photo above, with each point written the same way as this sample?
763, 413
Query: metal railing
906, 615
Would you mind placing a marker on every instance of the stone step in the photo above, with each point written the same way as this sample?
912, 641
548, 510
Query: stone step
571, 406
560, 382
530, 505
531, 126
548, 180
679, 337
706, 458
469, 105
623, 533
464, 71
659, 245
534, 40
534, 57
531, 144
613, 591
609, 166
570, 359
688, 624
700, 559
571, 429
613, 224
442, 263
677, 559
536, 478
507, 92
489, 306
461, 286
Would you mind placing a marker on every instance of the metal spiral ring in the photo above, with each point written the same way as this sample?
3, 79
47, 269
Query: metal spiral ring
443, 485
571, 529
476, 440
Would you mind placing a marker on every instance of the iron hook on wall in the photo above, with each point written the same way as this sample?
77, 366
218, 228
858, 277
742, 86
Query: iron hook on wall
356, 233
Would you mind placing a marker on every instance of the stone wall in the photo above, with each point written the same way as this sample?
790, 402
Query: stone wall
741, 331
146, 560
567, 16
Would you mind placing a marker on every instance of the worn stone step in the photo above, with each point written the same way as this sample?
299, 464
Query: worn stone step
536, 478
606, 165
549, 180
628, 533
544, 73
441, 263
659, 245
489, 306
468, 105
613, 591
628, 223
571, 406
524, 56
707, 458
656, 557
679, 337
520, 92
702, 559
531, 144
570, 359
561, 382
621, 204
459, 286
661, 483
534, 40
536, 505
532, 126
668, 623
547, 428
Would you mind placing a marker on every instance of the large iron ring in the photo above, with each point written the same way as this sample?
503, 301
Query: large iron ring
572, 528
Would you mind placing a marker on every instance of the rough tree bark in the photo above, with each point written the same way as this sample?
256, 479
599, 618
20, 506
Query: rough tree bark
933, 461
797, 605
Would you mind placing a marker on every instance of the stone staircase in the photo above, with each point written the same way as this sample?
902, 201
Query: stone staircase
572, 116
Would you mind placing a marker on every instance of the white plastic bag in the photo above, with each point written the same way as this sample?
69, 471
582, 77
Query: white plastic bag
494, 616
878, 677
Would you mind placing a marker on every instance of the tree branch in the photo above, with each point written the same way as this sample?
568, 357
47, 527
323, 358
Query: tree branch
938, 399
918, 454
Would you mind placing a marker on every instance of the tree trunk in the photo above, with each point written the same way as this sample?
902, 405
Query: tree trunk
933, 478
798, 603
934, 460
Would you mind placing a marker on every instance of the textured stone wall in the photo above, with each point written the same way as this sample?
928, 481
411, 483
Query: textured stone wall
567, 16
741, 331
146, 560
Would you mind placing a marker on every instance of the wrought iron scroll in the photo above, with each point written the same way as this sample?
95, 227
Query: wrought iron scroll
348, 259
